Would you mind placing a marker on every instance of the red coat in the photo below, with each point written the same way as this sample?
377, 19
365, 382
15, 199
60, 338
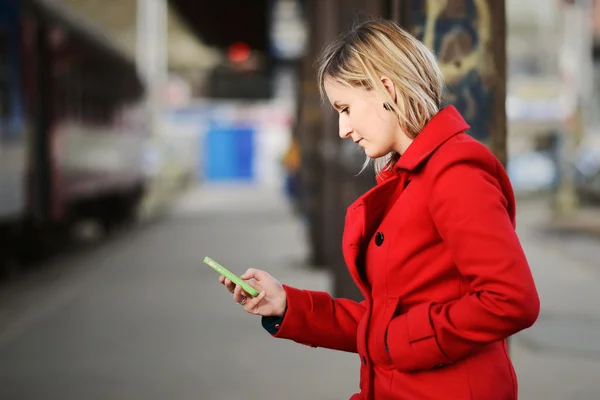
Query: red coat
434, 251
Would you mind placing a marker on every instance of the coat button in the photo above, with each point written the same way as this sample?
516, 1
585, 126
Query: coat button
379, 238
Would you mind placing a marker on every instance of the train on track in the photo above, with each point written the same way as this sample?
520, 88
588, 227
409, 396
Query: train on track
72, 127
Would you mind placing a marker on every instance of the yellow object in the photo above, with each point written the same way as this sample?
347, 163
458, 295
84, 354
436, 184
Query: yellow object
291, 158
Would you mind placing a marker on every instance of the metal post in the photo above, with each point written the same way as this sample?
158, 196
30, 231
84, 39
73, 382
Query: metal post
577, 71
151, 54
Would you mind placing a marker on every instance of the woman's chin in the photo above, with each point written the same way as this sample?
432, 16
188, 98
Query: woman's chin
374, 153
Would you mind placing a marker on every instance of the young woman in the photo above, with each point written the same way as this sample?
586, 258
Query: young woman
432, 247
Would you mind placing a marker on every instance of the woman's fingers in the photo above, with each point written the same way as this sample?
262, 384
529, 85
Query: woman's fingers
239, 295
252, 305
227, 283
255, 274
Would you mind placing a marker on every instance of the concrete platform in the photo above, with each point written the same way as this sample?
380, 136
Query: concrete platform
141, 317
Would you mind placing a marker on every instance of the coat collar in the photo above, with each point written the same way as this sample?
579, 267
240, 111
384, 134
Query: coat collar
445, 124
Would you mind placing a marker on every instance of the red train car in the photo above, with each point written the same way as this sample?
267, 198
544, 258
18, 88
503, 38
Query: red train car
72, 128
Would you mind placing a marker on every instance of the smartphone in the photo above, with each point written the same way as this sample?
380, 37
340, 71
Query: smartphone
223, 271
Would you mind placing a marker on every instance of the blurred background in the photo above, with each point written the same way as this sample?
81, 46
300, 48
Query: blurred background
139, 136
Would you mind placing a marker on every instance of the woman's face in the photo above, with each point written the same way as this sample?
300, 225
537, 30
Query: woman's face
363, 119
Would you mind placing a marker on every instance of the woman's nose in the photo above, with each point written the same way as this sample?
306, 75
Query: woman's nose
345, 128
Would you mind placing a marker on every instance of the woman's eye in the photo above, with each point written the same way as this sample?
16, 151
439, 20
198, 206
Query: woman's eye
345, 110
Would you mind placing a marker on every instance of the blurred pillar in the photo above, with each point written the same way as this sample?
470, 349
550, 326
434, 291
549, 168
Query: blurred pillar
308, 132
330, 201
151, 54
576, 66
498, 123
329, 184
341, 185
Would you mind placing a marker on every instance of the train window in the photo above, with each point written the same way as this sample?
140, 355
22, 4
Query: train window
4, 75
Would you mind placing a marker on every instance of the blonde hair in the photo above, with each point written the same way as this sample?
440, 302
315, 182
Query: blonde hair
376, 48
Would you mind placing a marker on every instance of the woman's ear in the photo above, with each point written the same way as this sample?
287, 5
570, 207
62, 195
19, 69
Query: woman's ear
390, 87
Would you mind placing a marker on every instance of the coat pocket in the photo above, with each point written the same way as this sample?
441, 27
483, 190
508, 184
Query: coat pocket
448, 382
378, 329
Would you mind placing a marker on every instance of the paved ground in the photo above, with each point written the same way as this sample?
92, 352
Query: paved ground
140, 317
559, 357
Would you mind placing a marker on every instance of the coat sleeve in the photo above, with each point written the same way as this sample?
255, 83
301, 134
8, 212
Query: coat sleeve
316, 319
471, 205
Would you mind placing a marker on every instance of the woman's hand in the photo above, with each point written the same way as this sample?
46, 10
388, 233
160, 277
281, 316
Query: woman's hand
271, 300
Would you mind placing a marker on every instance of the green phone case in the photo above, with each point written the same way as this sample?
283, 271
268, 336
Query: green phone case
223, 271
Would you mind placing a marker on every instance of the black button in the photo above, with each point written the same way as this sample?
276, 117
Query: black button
379, 238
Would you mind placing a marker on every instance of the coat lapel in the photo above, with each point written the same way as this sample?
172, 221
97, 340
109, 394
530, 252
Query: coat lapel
362, 219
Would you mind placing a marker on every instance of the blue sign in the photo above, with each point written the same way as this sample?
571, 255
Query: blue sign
229, 153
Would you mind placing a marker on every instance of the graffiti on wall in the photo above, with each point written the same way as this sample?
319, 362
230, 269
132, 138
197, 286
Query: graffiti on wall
459, 32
